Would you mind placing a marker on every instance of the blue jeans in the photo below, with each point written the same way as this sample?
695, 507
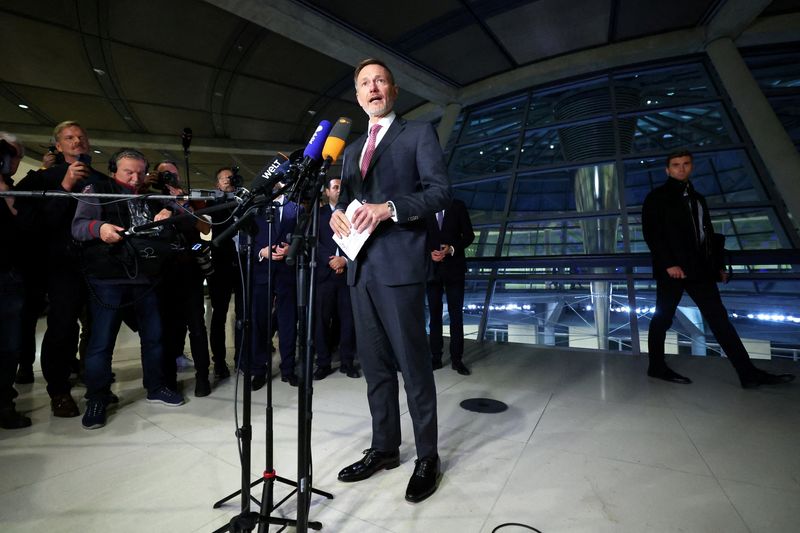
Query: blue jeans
104, 306
12, 298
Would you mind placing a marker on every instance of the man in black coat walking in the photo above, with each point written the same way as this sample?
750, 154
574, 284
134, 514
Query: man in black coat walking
677, 227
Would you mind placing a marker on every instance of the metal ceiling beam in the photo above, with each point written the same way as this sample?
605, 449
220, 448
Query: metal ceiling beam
326, 36
771, 30
734, 17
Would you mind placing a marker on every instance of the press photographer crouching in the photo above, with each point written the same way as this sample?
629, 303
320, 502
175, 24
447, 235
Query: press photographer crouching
120, 275
180, 292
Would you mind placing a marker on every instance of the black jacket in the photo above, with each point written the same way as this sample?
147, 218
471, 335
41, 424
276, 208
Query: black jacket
670, 233
457, 232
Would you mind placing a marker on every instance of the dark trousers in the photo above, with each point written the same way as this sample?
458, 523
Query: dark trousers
67, 292
224, 282
390, 334
454, 289
285, 301
333, 300
35, 282
12, 300
105, 308
705, 295
183, 306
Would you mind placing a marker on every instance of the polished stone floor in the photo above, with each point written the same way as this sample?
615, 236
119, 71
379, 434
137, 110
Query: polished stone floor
588, 444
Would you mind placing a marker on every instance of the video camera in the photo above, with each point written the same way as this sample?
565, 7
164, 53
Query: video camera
7, 152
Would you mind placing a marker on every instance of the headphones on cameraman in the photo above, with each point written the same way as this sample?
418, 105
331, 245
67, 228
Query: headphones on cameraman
126, 152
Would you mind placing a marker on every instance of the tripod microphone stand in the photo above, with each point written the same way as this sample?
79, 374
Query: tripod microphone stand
246, 520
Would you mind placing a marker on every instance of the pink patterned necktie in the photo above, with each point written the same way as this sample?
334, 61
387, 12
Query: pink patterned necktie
373, 136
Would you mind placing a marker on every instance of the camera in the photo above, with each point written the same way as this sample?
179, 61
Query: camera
201, 252
236, 179
7, 153
166, 178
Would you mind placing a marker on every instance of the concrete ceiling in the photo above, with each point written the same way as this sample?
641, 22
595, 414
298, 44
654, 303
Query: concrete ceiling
251, 77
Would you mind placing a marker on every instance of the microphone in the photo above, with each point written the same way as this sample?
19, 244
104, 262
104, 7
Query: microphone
186, 138
334, 144
270, 175
312, 155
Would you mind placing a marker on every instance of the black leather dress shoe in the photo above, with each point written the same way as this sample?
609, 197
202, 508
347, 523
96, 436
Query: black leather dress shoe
460, 367
259, 380
667, 374
425, 480
291, 379
437, 364
760, 377
373, 461
322, 372
350, 371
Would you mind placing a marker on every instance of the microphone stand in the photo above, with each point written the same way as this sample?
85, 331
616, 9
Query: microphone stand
247, 520
304, 246
186, 139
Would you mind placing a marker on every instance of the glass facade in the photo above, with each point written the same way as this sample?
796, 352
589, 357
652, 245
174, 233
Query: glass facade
555, 178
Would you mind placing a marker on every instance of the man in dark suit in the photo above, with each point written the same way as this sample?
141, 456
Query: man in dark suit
677, 227
284, 293
333, 295
398, 174
449, 234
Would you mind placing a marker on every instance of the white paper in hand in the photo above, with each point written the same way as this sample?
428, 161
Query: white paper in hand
352, 244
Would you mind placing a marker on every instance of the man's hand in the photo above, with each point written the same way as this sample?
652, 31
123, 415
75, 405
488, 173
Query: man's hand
339, 223
75, 172
49, 160
440, 254
110, 233
724, 276
161, 215
279, 251
337, 263
368, 216
175, 191
676, 272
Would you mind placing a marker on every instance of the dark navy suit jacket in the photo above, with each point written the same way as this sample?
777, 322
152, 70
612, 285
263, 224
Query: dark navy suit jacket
456, 231
326, 247
408, 169
281, 232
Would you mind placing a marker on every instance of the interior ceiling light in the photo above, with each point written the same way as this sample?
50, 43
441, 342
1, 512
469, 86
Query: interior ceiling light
22, 106
312, 112
98, 152
99, 71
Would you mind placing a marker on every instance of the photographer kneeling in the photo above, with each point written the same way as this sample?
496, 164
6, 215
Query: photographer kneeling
119, 278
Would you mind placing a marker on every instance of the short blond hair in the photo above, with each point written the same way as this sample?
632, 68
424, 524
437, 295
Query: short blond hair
66, 124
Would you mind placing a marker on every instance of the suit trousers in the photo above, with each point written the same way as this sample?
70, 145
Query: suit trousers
224, 282
68, 297
705, 295
12, 300
454, 289
390, 334
333, 300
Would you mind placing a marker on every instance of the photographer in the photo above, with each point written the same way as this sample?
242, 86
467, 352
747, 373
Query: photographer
115, 285
12, 292
181, 291
50, 264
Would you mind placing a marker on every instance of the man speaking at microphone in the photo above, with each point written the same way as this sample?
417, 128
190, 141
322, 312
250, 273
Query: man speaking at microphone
397, 172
